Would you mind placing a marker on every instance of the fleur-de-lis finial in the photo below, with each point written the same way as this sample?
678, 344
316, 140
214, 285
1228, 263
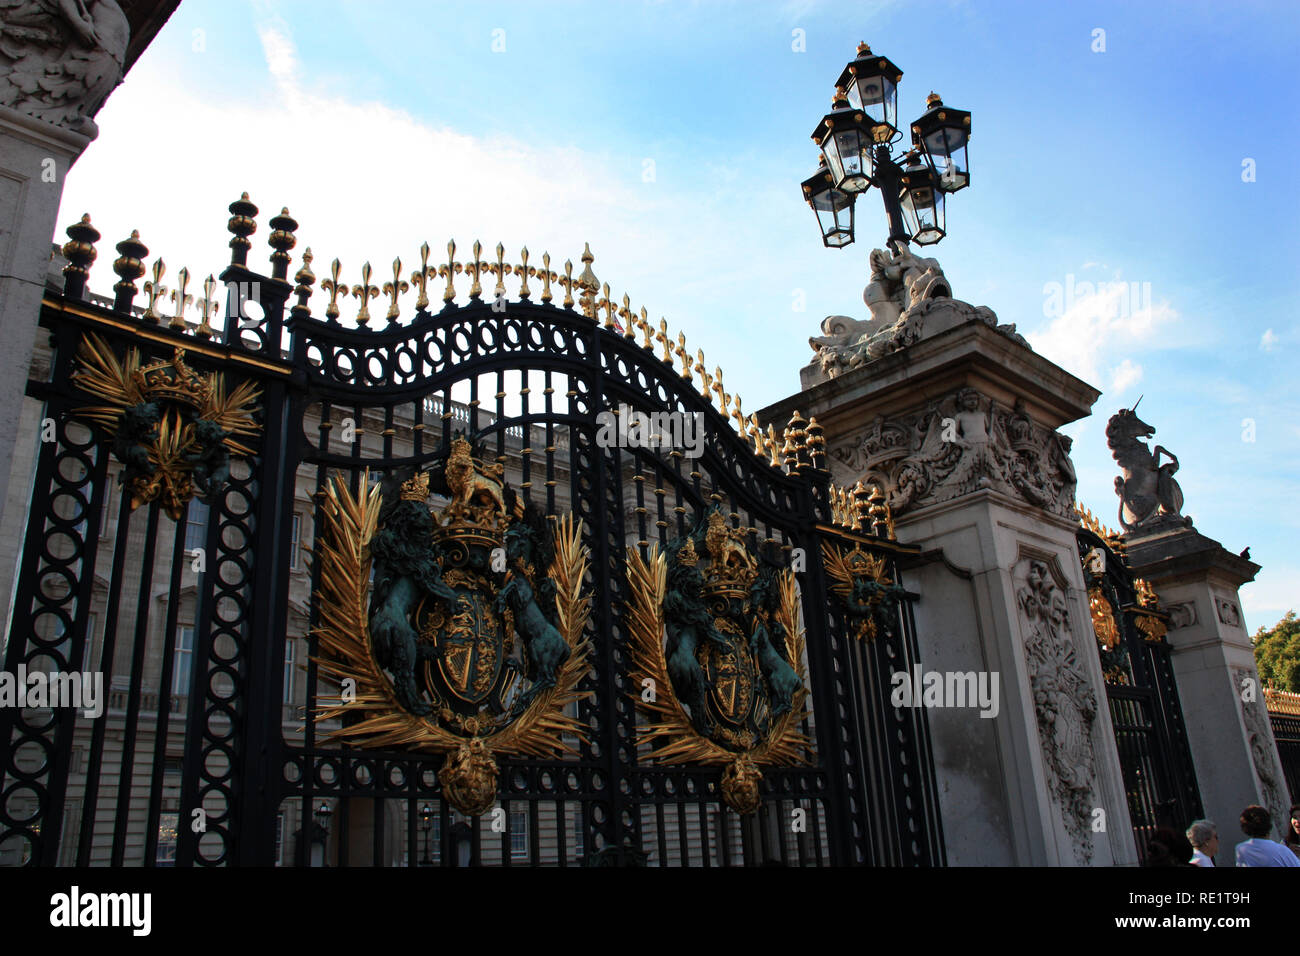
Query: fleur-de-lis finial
607, 305
500, 270
475, 269
664, 341
547, 277
723, 398
450, 271
647, 333
365, 292
627, 315
155, 290
420, 278
394, 289
706, 380
567, 282
683, 356
523, 271
738, 415
181, 299
334, 287
207, 308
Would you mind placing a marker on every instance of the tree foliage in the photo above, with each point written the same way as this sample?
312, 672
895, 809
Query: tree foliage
1277, 654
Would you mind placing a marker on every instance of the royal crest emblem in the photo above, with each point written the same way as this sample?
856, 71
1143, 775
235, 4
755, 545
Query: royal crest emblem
470, 641
173, 429
717, 657
866, 593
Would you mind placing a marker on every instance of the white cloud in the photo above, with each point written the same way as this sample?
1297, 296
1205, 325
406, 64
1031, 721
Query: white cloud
1094, 320
1268, 340
1125, 375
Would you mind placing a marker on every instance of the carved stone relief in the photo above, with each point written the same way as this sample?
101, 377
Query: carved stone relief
1263, 752
1181, 615
1065, 704
59, 59
957, 445
909, 299
1228, 612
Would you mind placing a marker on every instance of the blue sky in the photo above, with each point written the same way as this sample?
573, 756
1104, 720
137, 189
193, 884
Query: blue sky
385, 124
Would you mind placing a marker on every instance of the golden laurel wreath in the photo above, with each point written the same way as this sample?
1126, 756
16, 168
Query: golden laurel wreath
670, 731
344, 652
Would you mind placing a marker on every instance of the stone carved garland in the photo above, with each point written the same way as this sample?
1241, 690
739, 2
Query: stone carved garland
59, 60
962, 443
1262, 749
1065, 704
909, 299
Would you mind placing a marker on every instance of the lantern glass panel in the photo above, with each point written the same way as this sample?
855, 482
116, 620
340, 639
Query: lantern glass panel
923, 211
876, 96
835, 216
854, 154
946, 147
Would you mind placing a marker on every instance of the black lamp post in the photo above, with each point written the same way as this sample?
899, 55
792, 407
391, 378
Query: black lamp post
426, 822
855, 139
321, 815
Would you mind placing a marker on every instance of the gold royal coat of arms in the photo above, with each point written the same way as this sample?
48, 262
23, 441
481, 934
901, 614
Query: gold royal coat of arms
470, 639
717, 655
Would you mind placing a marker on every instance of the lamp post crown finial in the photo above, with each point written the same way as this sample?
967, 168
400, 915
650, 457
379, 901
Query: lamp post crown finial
933, 99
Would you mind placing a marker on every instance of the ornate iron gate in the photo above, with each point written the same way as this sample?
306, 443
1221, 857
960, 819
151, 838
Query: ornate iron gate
227, 736
1150, 735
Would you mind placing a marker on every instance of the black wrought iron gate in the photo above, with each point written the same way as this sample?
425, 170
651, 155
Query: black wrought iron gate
203, 619
1150, 735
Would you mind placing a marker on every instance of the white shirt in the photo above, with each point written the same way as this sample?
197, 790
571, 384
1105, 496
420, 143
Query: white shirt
1201, 859
1261, 852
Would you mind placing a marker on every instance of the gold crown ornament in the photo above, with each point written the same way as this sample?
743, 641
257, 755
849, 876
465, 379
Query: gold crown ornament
172, 381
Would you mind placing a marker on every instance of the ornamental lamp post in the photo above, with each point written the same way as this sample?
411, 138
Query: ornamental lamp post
856, 139
426, 823
834, 208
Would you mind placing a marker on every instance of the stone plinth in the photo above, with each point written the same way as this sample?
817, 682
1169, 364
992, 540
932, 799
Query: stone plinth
34, 160
1214, 663
959, 429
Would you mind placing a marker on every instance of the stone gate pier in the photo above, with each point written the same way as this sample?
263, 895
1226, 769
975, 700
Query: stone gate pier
955, 417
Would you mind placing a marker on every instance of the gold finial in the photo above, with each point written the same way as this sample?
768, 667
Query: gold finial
181, 299
305, 279
863, 49
523, 271
333, 287
683, 356
208, 307
416, 488
129, 266
882, 520
723, 398
647, 333
567, 282
773, 447
155, 291
664, 341
706, 380
547, 277
607, 305
420, 278
449, 271
588, 282
627, 315
738, 415
500, 269
365, 292
395, 288
933, 99
756, 434
475, 269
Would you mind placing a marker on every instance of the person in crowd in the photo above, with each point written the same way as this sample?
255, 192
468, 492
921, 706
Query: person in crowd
1259, 850
1168, 847
1204, 837
1293, 831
